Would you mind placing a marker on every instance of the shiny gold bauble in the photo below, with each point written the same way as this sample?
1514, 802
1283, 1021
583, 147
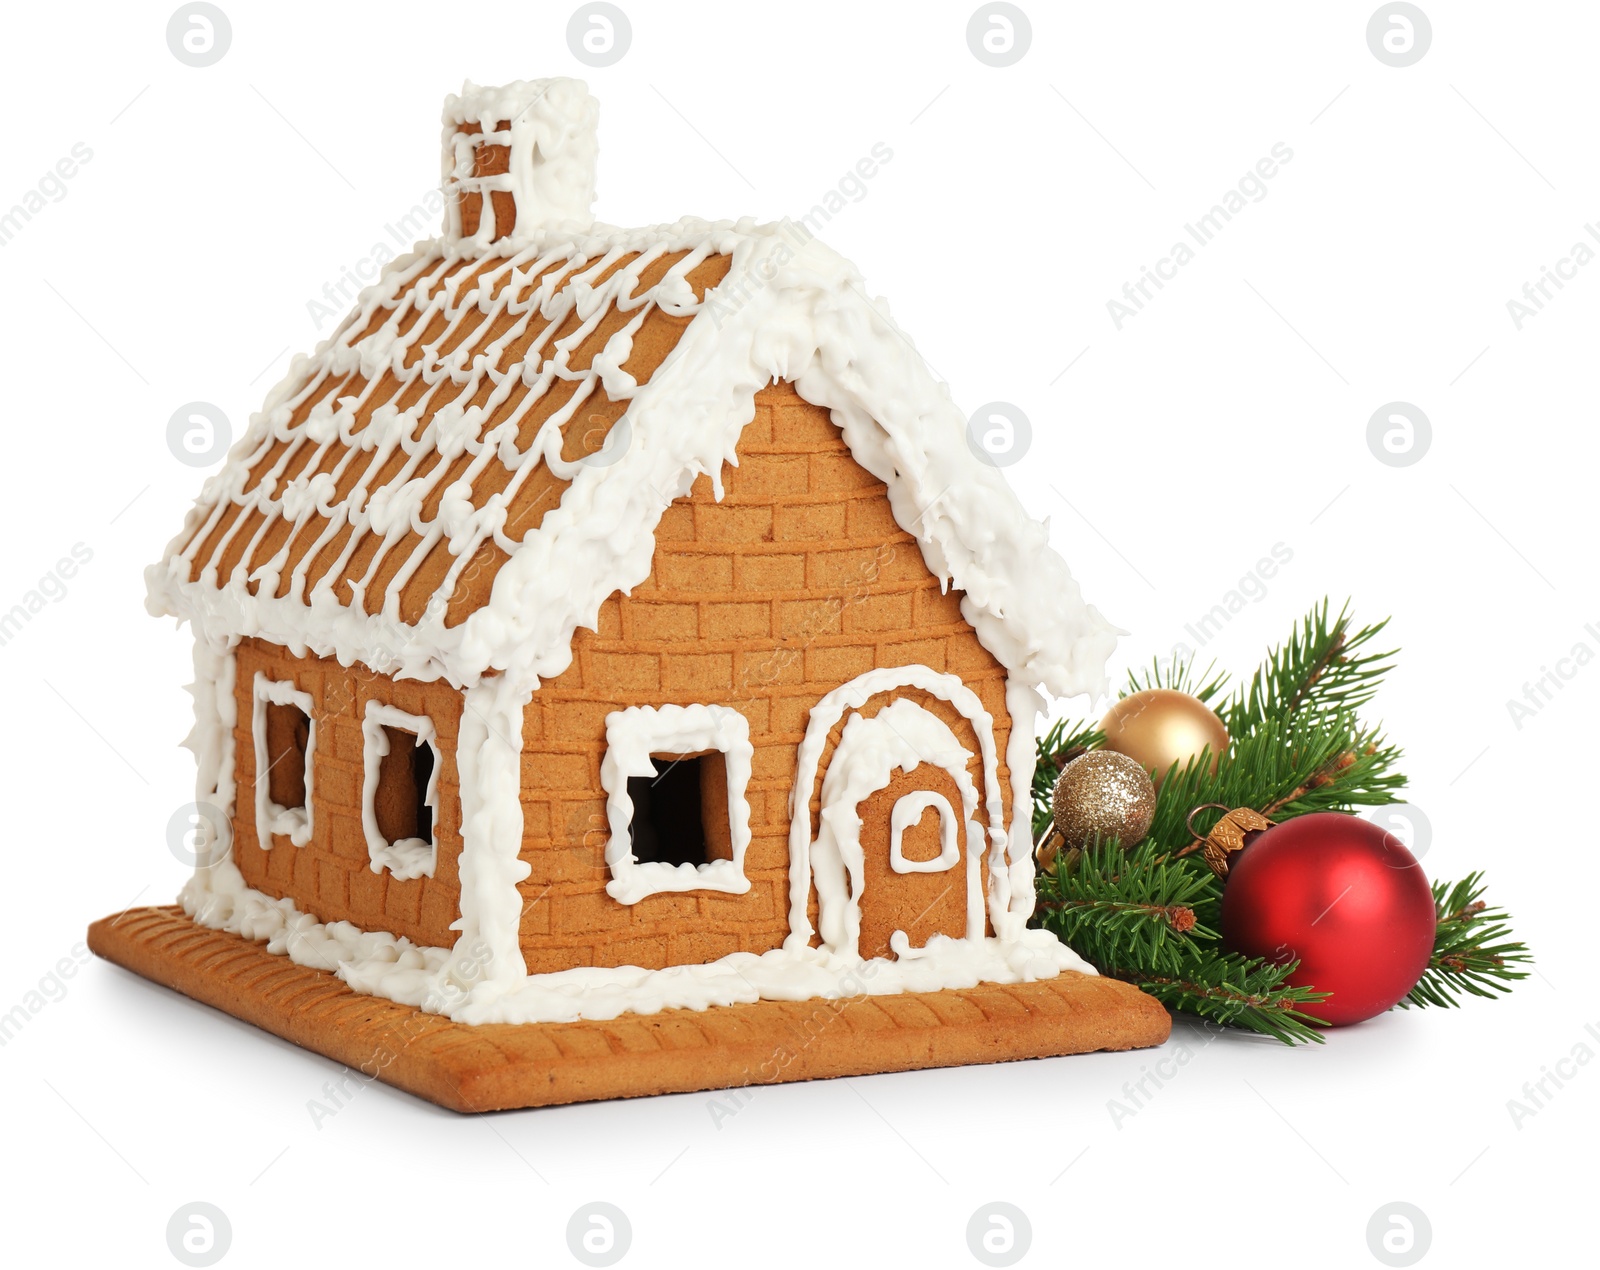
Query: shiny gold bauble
1104, 795
1162, 726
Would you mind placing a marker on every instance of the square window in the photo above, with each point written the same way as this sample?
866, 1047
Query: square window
288, 739
675, 780
400, 792
285, 742
680, 814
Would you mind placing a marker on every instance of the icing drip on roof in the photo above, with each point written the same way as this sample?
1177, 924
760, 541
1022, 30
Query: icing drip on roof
422, 494
289, 541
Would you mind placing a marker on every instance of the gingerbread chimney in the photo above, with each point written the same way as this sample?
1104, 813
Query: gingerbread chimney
518, 159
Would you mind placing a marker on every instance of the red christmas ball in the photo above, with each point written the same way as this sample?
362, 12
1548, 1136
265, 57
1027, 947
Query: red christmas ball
1342, 896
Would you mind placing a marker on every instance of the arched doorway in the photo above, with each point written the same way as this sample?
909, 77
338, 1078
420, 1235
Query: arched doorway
905, 831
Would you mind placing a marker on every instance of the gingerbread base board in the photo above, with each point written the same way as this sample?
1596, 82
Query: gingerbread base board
499, 1066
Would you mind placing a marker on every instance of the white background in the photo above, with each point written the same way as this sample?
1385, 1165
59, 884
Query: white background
1227, 417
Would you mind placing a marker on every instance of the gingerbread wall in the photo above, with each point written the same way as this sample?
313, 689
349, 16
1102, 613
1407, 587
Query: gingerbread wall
331, 876
797, 581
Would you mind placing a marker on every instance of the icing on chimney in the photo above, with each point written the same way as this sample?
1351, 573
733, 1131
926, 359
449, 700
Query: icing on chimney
518, 159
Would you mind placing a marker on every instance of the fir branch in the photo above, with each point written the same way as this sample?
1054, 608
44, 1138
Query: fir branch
1235, 991
1118, 907
1472, 951
1149, 915
1178, 674
1329, 773
1302, 764
1322, 667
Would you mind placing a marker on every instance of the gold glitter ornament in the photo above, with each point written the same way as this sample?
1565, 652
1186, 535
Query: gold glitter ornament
1103, 794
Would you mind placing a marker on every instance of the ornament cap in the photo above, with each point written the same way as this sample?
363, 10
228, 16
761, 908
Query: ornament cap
1234, 831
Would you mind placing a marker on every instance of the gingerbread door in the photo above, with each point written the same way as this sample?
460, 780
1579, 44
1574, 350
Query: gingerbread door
898, 856
914, 862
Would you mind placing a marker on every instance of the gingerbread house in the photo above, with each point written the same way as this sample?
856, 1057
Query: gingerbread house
605, 628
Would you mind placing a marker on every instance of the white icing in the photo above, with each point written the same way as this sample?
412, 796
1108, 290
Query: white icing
783, 974
553, 146
784, 312
381, 965
824, 715
1024, 705
216, 713
908, 810
901, 736
211, 888
374, 962
293, 823
406, 858
489, 767
631, 737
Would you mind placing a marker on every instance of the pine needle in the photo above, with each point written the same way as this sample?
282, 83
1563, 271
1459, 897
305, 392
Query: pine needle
1137, 915
1238, 992
1179, 675
1117, 907
1322, 668
1284, 767
1472, 951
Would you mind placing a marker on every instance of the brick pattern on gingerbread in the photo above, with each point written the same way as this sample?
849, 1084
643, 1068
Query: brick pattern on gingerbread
331, 875
793, 584
797, 581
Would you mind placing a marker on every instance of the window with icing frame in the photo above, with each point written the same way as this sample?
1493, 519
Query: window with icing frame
400, 791
284, 728
676, 781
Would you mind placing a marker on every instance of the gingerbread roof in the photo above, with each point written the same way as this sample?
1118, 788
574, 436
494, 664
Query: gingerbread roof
478, 457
